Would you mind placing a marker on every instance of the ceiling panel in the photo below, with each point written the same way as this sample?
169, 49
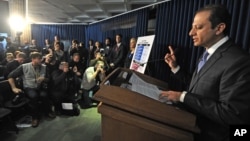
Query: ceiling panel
82, 11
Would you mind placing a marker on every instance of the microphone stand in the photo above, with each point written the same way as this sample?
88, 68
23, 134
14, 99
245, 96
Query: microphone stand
155, 60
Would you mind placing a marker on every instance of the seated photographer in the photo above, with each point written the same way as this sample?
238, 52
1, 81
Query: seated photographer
51, 63
90, 83
62, 85
33, 76
9, 57
77, 67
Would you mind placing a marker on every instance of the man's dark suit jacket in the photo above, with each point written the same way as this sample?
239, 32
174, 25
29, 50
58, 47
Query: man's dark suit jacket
91, 52
219, 94
117, 55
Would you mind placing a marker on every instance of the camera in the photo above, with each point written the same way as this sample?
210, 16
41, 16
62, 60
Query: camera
102, 52
104, 68
17, 99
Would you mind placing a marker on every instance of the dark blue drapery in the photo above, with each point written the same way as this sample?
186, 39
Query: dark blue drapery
65, 31
174, 20
130, 25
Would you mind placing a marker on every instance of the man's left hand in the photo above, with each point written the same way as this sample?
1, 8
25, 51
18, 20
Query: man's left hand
170, 95
40, 79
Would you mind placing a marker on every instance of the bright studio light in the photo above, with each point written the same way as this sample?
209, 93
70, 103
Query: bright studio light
17, 23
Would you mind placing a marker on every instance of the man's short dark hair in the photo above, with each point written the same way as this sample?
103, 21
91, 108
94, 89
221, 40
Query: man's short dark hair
99, 62
64, 63
58, 43
21, 55
108, 38
34, 55
120, 35
76, 54
98, 51
219, 14
75, 41
92, 41
58, 37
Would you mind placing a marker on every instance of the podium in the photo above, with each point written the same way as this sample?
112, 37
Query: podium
129, 116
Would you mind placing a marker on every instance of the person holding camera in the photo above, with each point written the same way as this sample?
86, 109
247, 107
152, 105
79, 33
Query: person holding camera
77, 68
62, 85
76, 65
98, 57
33, 76
47, 49
90, 82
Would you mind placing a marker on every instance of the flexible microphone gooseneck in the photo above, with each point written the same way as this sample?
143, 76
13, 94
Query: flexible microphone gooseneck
151, 61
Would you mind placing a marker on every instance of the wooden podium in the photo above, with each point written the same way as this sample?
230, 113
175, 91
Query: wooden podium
130, 116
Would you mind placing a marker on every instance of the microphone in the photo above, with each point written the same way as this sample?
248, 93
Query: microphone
154, 60
176, 51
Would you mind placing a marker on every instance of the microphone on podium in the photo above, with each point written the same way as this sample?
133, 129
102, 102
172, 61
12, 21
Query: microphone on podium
151, 61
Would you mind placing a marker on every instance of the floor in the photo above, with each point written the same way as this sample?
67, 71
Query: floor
85, 127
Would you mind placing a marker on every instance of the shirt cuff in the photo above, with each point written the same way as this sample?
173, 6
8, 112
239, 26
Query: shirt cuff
175, 70
183, 94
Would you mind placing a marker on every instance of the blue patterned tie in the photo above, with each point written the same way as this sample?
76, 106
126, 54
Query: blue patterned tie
203, 60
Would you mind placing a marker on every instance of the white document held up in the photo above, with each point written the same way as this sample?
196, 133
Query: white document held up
146, 89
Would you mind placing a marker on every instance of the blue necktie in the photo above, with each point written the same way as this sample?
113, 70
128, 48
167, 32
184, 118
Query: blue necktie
203, 60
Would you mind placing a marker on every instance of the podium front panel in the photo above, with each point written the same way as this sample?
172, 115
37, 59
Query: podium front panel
135, 113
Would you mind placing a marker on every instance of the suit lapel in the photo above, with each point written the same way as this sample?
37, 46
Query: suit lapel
194, 80
211, 61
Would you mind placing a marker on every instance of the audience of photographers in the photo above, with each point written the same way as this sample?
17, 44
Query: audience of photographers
50, 75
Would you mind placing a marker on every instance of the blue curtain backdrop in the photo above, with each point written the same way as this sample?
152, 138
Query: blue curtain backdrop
174, 20
130, 25
66, 32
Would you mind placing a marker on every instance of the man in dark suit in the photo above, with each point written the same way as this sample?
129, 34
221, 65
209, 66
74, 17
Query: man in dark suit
219, 92
118, 53
91, 50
